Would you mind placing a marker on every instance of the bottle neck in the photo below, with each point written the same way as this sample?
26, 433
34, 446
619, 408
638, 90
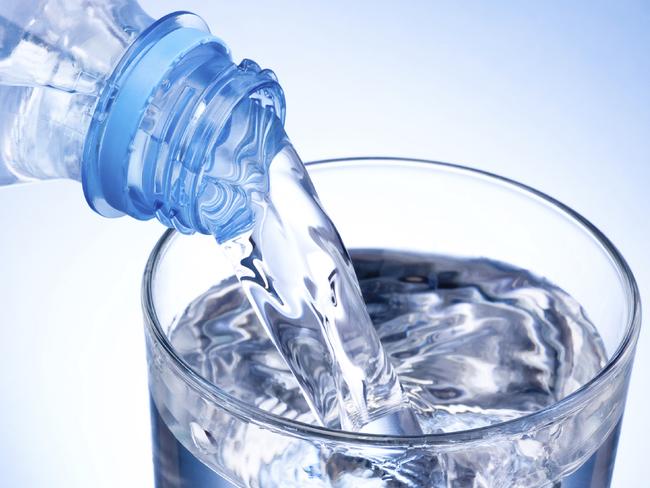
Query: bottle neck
181, 133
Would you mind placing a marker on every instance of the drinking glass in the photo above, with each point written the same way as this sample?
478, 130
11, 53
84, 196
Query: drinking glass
205, 437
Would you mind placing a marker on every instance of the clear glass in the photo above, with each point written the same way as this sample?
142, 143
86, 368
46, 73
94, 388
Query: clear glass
409, 205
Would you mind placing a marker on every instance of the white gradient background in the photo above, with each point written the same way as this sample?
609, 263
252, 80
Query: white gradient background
551, 94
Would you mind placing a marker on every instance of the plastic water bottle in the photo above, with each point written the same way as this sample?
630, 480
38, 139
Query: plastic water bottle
155, 120
99, 92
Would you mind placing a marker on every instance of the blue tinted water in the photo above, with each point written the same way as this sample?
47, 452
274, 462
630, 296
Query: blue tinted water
439, 319
176, 467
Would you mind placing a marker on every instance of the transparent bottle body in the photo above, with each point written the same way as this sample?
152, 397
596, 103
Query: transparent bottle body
55, 59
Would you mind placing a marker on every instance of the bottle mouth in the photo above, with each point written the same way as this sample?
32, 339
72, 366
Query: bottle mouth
110, 176
103, 165
522, 425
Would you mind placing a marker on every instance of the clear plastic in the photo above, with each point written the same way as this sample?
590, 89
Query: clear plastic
55, 59
99, 92
432, 207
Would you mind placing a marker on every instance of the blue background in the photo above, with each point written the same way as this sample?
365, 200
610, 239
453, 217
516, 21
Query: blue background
553, 94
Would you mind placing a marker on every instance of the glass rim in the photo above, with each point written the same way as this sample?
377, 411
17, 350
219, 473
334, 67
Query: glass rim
525, 423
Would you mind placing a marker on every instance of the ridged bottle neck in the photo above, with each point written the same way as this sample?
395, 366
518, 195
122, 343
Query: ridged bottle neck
212, 151
176, 114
